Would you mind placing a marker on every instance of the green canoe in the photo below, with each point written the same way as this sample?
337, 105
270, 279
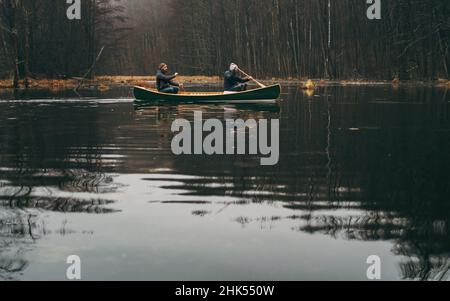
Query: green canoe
266, 95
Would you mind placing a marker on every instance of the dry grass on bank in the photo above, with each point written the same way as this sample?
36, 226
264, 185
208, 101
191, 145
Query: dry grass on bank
104, 83
443, 82
5, 83
53, 84
145, 80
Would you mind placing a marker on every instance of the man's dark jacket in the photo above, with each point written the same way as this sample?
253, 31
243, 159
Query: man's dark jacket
231, 80
164, 81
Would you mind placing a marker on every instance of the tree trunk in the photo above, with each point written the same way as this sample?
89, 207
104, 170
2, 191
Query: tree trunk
15, 43
27, 48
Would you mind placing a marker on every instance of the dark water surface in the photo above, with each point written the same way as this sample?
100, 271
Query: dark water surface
363, 171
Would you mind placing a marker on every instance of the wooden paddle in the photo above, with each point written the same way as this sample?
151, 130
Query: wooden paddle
259, 84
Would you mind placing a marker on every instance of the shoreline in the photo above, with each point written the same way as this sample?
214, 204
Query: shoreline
104, 83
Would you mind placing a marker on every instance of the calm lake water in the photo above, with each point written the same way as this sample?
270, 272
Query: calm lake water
363, 171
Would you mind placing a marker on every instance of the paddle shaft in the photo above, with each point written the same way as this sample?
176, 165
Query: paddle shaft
261, 85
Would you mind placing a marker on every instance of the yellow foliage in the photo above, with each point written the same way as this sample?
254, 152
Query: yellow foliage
309, 92
310, 85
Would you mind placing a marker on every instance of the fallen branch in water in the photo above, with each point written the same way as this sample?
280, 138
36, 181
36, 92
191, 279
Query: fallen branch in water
90, 69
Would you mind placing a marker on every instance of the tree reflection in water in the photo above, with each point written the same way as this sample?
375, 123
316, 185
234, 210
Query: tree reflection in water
351, 168
30, 185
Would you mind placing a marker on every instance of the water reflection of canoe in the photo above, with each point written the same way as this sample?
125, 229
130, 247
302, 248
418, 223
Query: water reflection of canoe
267, 94
257, 107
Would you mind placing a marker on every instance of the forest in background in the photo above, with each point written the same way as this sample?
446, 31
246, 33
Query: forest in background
269, 38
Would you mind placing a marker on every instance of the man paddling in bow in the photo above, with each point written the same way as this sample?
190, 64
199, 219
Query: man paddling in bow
234, 83
164, 82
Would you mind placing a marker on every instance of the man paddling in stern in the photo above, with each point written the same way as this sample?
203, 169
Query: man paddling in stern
165, 83
234, 83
